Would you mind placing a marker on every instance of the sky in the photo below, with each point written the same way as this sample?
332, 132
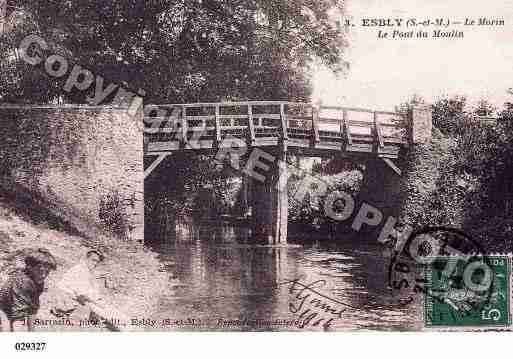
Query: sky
385, 72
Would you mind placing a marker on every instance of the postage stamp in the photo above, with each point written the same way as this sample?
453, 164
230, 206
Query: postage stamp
464, 299
453, 279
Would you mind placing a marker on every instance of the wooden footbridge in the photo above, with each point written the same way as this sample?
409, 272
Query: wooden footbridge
281, 128
204, 126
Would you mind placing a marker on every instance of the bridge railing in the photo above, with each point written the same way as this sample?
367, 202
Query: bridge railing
263, 123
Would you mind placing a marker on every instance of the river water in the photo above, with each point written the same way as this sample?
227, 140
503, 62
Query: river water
220, 280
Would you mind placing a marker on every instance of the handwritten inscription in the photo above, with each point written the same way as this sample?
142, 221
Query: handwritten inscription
311, 306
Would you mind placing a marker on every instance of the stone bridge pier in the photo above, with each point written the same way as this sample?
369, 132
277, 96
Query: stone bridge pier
268, 200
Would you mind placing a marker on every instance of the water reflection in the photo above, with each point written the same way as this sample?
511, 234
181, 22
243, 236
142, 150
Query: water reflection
226, 282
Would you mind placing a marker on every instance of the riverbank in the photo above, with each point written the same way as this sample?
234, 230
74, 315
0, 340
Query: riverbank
134, 274
462, 179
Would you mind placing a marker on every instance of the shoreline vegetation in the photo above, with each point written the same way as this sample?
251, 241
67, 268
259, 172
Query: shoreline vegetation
132, 273
462, 178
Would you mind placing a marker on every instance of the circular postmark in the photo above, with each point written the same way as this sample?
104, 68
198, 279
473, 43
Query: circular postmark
445, 267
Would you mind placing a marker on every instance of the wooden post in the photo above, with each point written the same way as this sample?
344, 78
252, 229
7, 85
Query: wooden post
3, 15
283, 118
218, 128
244, 206
315, 126
343, 129
280, 199
184, 126
347, 131
279, 193
378, 136
251, 126
261, 214
269, 203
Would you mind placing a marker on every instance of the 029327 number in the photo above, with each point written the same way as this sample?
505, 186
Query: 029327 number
30, 346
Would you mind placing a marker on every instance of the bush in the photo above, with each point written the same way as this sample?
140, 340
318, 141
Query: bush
311, 210
463, 177
112, 214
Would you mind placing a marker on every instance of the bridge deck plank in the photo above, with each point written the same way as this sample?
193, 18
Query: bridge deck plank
205, 126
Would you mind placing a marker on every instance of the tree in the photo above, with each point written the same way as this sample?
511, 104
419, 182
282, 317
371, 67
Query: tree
3, 15
484, 108
450, 114
470, 167
177, 51
192, 50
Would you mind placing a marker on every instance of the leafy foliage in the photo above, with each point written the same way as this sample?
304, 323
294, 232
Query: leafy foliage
176, 51
449, 114
112, 214
183, 50
310, 211
463, 177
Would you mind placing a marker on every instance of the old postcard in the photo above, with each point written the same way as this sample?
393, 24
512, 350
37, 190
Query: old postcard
255, 166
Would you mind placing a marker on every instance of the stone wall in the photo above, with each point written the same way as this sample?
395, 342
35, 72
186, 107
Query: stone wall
85, 162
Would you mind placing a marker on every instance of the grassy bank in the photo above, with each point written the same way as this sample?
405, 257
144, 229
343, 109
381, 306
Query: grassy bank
134, 274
